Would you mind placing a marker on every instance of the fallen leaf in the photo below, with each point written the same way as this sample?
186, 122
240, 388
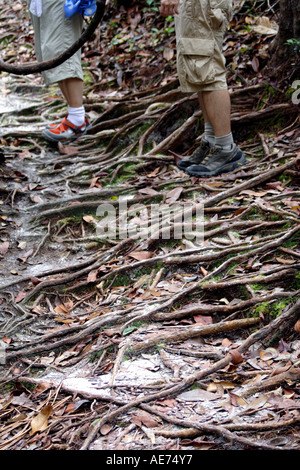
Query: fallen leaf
149, 191
88, 218
203, 319
237, 358
27, 255
198, 443
4, 248
173, 195
258, 402
40, 422
168, 53
168, 402
37, 199
94, 181
297, 326
141, 255
35, 280
92, 276
236, 400
61, 309
264, 26
226, 343
269, 353
285, 261
25, 153
198, 395
255, 63
213, 386
6, 340
22, 245
66, 149
105, 429
143, 417
154, 172
21, 295
250, 192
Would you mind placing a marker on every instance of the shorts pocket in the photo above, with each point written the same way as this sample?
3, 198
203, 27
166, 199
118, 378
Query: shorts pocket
221, 12
195, 60
222, 4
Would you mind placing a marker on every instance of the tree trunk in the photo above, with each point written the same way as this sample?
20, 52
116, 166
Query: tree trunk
289, 28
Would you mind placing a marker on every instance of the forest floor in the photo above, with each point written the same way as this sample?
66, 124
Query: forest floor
142, 340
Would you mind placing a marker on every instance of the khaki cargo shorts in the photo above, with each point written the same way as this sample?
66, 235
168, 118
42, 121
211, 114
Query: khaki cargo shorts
200, 29
53, 34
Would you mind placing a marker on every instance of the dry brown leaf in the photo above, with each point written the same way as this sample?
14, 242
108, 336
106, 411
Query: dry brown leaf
297, 326
143, 417
66, 149
141, 255
198, 444
173, 195
203, 319
4, 248
226, 343
168, 402
168, 53
154, 172
198, 395
6, 339
61, 309
21, 295
95, 182
237, 358
40, 422
214, 386
149, 191
105, 429
285, 261
264, 26
64, 320
250, 192
269, 353
92, 276
237, 400
89, 219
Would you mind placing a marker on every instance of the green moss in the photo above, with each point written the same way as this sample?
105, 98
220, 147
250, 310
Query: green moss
293, 241
272, 309
256, 286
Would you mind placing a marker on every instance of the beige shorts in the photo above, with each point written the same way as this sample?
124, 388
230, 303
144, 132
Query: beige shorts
200, 30
54, 33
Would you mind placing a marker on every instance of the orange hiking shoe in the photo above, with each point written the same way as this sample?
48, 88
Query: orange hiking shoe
65, 131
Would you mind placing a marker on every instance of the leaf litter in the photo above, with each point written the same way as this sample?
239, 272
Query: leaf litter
147, 343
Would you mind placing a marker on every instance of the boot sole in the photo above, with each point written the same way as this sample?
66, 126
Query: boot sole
224, 169
48, 137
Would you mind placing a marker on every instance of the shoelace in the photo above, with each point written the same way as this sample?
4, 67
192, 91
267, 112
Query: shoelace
210, 152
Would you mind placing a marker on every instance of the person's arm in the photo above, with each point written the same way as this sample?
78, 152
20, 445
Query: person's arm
169, 7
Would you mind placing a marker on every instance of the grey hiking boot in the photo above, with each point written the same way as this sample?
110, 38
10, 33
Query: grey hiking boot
218, 161
197, 156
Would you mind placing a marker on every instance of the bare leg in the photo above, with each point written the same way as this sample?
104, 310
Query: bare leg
216, 109
72, 89
202, 106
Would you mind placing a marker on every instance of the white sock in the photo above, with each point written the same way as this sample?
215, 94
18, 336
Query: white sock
76, 115
209, 133
225, 142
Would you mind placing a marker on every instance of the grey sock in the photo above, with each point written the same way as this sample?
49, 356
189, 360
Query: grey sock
209, 133
225, 142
